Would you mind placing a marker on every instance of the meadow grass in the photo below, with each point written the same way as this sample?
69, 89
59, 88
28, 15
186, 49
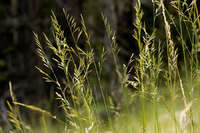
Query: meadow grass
158, 89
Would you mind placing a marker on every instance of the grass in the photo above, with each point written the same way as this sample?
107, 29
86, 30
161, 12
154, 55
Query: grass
158, 89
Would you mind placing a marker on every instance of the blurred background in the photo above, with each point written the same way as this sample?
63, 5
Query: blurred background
18, 19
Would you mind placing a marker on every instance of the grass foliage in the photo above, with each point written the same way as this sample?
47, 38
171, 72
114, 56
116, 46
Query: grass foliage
158, 89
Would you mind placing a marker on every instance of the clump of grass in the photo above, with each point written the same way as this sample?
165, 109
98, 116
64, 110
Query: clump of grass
161, 98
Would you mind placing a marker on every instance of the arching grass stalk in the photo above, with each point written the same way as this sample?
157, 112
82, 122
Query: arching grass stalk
172, 63
76, 33
183, 44
140, 72
191, 20
195, 22
79, 109
122, 72
111, 35
58, 36
157, 62
155, 73
98, 72
14, 114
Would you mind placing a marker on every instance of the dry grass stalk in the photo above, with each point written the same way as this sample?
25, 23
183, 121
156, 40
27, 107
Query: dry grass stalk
171, 49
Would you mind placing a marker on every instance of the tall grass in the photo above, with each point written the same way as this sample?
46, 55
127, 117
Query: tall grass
159, 88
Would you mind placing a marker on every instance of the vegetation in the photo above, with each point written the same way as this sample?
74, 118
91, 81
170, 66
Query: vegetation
158, 89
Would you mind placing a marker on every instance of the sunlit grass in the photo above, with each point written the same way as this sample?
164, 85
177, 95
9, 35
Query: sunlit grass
156, 93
